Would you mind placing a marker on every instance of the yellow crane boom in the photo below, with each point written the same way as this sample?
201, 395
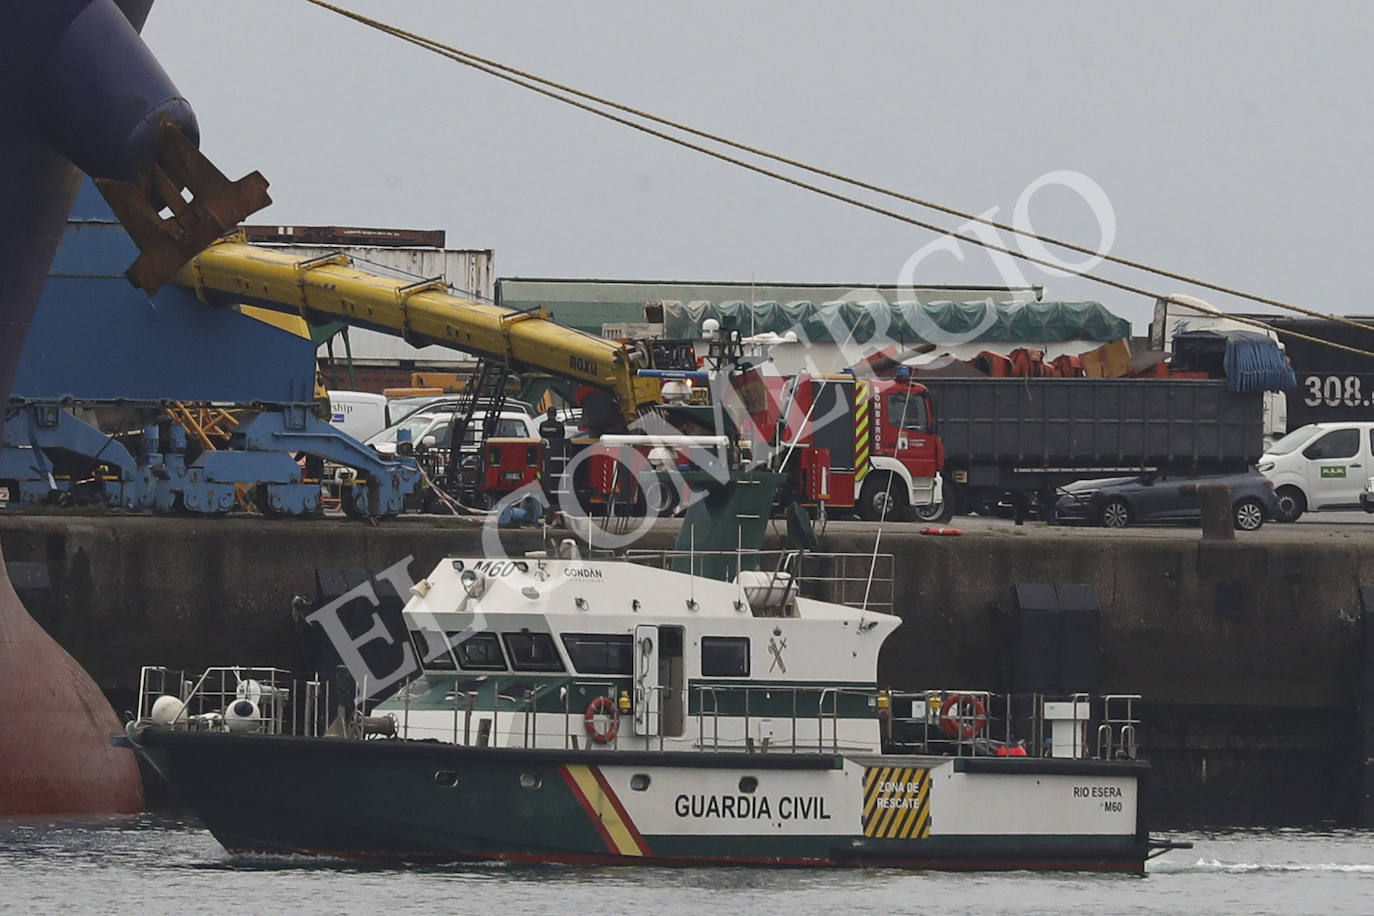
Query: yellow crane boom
230, 271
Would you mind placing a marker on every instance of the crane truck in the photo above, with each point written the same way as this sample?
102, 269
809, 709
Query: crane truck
175, 352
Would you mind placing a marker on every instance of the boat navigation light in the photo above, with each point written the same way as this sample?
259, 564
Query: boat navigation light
530, 592
692, 605
420, 589
581, 603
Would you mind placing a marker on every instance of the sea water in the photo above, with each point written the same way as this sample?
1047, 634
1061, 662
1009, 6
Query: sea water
154, 865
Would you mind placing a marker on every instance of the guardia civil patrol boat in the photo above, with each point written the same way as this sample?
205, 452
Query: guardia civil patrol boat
712, 706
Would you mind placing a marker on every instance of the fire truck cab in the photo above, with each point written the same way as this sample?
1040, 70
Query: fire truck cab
866, 444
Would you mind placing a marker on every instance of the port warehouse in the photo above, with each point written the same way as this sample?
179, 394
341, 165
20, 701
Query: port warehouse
1248, 655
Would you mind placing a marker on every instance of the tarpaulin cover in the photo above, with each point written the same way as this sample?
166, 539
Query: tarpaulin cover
906, 322
1255, 363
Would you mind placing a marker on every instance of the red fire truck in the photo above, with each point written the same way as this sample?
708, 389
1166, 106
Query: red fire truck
866, 444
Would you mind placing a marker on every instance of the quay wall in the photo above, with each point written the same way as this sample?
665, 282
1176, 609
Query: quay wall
1247, 654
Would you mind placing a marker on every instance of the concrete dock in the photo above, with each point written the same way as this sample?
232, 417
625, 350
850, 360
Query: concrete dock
1247, 654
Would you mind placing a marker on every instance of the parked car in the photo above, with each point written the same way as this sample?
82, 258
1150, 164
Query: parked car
1320, 466
430, 427
1116, 502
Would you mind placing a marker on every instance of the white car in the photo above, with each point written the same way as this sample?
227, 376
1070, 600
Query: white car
431, 428
1320, 466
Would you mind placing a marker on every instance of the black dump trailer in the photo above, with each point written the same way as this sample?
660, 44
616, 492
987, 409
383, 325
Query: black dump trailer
1012, 442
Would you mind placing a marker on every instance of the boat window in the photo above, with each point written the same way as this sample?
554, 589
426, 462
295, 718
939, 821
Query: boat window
533, 652
906, 412
599, 653
432, 652
725, 656
481, 652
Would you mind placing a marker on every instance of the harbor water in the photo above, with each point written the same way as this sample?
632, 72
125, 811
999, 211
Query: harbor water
153, 865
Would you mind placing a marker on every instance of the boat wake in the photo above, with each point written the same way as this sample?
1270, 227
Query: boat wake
1216, 866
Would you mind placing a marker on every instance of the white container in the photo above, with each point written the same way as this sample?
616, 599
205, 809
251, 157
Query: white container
1068, 724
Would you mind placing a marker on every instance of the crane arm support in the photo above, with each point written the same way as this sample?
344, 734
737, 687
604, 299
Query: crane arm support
231, 271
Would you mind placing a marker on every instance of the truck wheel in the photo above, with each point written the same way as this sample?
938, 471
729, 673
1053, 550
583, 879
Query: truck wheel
1248, 515
1292, 504
878, 500
935, 512
1116, 513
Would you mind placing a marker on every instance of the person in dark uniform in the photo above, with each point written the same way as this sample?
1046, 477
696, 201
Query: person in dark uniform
555, 437
552, 428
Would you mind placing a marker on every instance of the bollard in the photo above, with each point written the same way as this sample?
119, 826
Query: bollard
1215, 500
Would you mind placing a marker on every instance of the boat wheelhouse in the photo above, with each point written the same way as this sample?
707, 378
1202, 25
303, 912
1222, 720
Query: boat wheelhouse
565, 652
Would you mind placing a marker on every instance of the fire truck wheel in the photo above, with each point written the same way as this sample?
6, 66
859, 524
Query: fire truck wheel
879, 500
936, 512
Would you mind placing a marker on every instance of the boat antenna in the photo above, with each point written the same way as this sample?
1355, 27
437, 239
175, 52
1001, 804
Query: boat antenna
887, 500
692, 562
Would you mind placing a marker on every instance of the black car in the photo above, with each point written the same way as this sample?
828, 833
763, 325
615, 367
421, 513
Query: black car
1116, 502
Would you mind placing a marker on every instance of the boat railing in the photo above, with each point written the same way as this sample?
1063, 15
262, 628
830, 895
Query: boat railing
1116, 736
763, 709
861, 580
961, 722
234, 698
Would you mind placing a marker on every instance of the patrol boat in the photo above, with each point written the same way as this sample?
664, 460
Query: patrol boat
693, 710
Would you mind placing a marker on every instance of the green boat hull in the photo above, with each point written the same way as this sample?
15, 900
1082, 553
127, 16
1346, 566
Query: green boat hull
419, 801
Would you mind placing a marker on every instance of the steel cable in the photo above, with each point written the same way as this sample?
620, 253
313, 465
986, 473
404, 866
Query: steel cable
536, 84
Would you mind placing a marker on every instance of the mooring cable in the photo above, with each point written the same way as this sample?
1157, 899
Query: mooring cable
536, 84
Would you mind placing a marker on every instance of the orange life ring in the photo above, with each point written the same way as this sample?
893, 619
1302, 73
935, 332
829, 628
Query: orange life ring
962, 716
944, 531
602, 706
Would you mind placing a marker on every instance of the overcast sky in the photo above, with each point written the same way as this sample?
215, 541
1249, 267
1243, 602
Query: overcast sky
1233, 140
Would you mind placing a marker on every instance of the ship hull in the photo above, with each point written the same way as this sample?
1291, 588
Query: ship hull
410, 801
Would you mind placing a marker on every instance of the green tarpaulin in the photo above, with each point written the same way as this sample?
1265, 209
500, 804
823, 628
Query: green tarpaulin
904, 321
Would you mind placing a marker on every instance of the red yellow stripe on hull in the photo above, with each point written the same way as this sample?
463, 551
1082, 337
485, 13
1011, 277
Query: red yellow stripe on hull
608, 815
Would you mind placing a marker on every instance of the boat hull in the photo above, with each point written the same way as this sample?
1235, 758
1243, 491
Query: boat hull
427, 801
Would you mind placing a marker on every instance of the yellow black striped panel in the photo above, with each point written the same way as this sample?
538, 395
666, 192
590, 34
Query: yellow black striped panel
896, 802
861, 433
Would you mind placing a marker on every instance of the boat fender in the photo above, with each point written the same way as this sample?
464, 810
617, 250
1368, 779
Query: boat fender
167, 709
602, 706
947, 532
962, 716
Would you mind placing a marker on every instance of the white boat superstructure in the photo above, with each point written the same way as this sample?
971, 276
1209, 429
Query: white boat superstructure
534, 648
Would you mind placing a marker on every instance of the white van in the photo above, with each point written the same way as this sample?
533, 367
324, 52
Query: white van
1320, 466
360, 414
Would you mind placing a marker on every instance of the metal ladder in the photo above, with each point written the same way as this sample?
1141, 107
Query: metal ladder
485, 391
